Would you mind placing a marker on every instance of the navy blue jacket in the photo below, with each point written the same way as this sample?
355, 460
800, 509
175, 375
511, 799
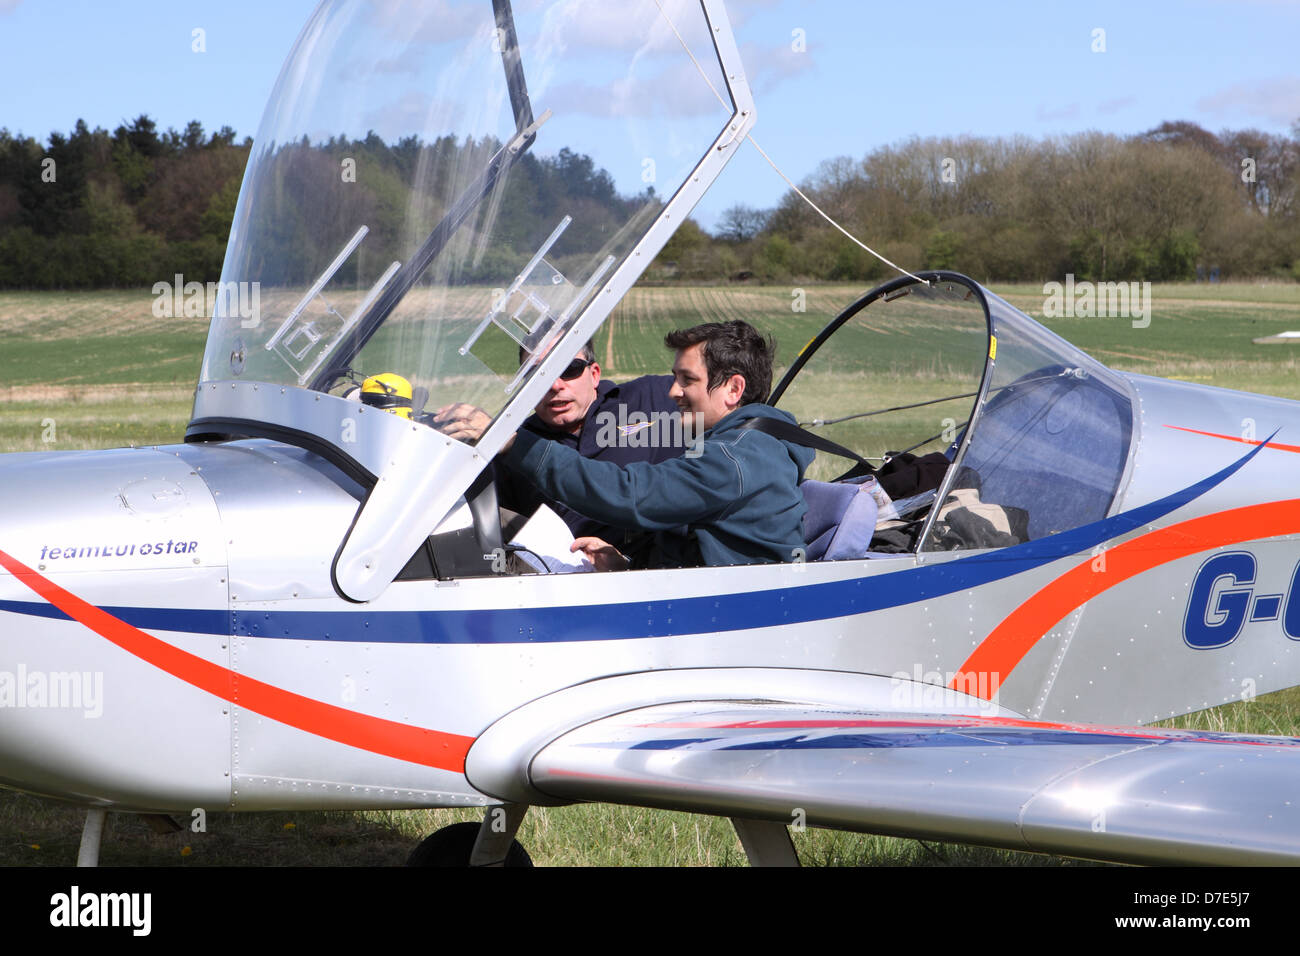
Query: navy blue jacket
734, 499
609, 433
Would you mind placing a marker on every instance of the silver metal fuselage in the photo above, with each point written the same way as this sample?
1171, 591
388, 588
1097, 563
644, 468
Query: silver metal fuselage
234, 675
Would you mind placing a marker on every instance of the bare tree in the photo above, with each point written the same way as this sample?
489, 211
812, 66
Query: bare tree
741, 223
1268, 167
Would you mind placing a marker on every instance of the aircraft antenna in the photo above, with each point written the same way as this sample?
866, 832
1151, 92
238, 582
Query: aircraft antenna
799, 192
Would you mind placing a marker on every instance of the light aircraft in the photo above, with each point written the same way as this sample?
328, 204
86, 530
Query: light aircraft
304, 604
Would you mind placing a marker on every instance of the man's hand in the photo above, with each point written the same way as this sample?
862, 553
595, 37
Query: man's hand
603, 555
461, 421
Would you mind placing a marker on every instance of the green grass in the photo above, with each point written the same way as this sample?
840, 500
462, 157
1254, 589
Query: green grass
1280, 292
82, 358
44, 833
1198, 333
1276, 714
94, 370
106, 372
47, 419
96, 338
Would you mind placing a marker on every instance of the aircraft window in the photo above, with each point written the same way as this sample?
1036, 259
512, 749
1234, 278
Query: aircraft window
1048, 448
900, 376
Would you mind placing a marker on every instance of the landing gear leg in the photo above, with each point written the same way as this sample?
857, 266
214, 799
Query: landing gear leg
766, 843
490, 843
91, 834
496, 835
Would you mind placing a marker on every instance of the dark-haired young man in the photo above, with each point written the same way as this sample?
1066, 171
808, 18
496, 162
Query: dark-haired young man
735, 502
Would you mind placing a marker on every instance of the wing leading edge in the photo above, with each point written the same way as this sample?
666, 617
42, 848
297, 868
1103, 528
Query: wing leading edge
1136, 795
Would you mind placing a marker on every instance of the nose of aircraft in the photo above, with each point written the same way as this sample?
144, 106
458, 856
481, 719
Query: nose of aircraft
95, 548
125, 576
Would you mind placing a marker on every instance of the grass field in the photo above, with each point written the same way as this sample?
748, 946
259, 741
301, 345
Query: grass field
93, 370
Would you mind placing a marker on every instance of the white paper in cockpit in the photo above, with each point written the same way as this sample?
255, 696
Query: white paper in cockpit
547, 540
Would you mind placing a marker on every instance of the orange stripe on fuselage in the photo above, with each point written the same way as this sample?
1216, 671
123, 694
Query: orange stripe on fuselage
1010, 641
1244, 441
431, 748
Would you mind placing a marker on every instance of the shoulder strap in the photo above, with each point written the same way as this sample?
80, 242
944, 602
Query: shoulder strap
800, 436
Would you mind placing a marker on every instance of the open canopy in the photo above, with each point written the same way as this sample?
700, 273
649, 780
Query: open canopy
435, 186
456, 193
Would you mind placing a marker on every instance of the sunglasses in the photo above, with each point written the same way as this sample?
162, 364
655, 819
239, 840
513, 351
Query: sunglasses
574, 369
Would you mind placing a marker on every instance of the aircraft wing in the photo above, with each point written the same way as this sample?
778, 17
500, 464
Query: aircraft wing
1138, 795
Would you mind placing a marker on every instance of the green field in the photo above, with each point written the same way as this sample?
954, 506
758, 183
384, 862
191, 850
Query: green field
108, 372
94, 370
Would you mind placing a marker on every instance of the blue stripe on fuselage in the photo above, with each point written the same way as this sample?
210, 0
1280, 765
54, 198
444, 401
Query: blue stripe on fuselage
664, 618
186, 620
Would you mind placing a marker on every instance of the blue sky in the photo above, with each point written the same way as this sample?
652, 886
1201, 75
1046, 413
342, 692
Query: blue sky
868, 74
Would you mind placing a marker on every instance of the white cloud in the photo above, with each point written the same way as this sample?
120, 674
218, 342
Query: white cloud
678, 90
416, 111
595, 58
623, 26
439, 20
1115, 105
9, 6
739, 11
767, 68
1047, 115
1277, 100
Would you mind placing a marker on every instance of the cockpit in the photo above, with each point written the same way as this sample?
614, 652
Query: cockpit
445, 201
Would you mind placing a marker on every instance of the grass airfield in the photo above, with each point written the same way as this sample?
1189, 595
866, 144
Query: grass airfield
97, 369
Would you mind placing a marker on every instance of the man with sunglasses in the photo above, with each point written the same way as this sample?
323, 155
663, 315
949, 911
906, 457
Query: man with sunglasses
596, 418
734, 500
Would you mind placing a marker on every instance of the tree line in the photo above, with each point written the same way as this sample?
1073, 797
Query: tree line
129, 208
94, 209
1176, 202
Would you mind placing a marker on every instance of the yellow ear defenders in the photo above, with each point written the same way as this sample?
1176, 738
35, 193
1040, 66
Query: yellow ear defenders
388, 391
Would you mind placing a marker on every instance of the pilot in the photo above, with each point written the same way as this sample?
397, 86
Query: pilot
597, 419
735, 501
